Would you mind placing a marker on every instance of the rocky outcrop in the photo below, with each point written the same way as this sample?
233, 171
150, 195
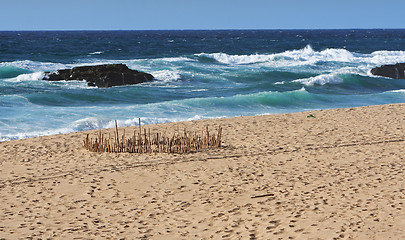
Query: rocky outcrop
102, 76
396, 71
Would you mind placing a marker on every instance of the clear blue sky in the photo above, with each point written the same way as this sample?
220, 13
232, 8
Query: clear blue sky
201, 14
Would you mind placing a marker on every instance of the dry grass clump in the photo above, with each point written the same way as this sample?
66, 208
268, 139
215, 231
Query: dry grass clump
143, 141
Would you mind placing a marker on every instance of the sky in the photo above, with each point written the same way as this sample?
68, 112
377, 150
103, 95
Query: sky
200, 14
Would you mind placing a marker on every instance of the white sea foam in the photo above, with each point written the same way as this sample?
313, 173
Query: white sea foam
199, 90
166, 75
156, 120
398, 91
72, 84
98, 123
90, 123
174, 59
294, 57
321, 80
308, 56
75, 84
27, 77
96, 53
237, 59
30, 134
36, 66
93, 123
300, 90
385, 57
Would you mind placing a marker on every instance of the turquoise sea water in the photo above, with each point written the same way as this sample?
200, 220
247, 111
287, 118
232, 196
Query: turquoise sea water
198, 75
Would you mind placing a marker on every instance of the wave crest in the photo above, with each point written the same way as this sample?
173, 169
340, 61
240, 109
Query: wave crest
292, 57
236, 59
308, 56
386, 57
321, 80
27, 77
166, 75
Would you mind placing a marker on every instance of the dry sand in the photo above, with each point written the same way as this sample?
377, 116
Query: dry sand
338, 175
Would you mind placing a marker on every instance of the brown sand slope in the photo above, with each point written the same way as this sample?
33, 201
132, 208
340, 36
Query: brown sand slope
338, 175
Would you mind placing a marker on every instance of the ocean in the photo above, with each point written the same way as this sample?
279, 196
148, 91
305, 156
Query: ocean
198, 75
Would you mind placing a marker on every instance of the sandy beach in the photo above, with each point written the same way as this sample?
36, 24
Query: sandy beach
337, 175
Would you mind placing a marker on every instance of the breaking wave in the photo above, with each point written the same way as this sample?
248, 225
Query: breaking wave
321, 80
308, 56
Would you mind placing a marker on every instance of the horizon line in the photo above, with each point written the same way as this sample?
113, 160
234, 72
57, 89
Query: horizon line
191, 29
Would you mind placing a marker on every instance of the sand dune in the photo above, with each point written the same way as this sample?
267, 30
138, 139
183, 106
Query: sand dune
339, 175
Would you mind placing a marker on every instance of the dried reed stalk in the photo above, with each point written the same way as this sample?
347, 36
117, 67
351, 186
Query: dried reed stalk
153, 143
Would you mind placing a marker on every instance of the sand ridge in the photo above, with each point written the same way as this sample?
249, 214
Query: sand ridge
338, 175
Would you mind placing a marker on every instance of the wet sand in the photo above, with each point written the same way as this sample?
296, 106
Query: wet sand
338, 175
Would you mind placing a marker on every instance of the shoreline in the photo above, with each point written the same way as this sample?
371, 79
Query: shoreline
159, 126
338, 174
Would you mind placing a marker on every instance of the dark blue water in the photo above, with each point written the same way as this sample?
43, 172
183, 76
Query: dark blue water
198, 74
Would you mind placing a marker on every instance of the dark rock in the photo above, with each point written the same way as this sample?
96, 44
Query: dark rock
396, 71
102, 76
